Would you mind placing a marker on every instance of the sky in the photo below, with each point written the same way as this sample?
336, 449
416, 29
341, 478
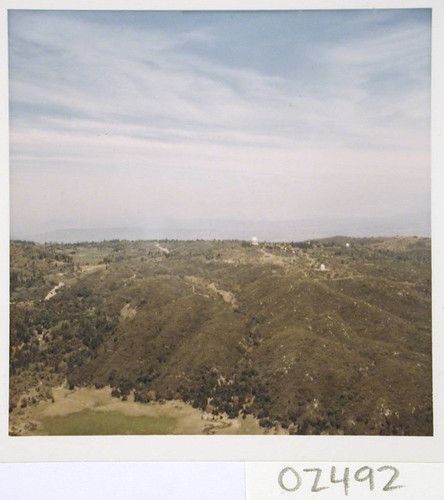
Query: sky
119, 118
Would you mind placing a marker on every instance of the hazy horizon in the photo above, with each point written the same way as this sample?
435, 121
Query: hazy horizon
121, 118
273, 231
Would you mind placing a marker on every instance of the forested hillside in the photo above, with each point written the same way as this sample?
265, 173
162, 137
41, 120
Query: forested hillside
331, 336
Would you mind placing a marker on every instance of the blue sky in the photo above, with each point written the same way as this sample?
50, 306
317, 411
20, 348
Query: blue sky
119, 117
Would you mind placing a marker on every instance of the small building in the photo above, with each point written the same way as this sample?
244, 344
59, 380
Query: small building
254, 241
322, 267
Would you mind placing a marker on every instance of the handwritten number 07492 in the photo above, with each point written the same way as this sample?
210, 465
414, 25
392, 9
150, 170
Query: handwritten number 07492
290, 480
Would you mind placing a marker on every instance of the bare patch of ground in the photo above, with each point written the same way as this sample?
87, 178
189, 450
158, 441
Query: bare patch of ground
197, 282
187, 420
162, 249
128, 312
88, 268
52, 293
227, 296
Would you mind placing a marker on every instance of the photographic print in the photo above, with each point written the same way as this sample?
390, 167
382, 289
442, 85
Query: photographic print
220, 222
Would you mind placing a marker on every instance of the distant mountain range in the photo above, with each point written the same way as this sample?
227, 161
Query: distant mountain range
291, 230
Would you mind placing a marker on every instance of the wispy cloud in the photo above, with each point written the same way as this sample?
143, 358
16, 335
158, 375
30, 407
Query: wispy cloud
94, 99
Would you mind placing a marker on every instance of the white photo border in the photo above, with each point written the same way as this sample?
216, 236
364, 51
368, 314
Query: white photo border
218, 447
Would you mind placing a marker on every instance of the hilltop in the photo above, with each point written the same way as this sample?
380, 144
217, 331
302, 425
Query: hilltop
327, 336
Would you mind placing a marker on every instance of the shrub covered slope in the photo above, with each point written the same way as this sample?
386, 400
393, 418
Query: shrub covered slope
331, 336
